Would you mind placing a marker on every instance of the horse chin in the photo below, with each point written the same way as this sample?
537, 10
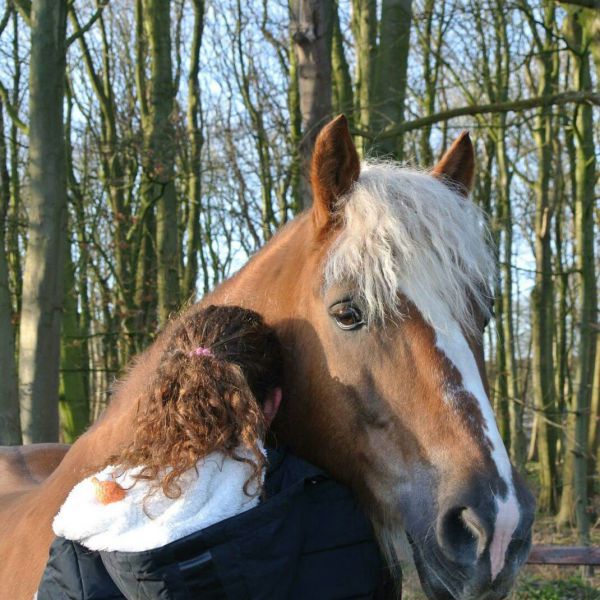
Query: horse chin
439, 582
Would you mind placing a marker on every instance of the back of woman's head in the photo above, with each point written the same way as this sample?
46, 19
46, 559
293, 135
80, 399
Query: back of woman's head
235, 336
219, 366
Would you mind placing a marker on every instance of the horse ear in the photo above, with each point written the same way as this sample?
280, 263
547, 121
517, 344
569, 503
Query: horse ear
457, 166
335, 167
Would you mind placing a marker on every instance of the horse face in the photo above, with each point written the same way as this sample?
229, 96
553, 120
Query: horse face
397, 404
417, 438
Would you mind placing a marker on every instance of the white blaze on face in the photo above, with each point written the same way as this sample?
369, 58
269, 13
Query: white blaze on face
453, 344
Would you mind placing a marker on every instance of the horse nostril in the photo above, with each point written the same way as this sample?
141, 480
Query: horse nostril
461, 535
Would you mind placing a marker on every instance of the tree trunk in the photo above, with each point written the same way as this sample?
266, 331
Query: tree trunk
311, 25
145, 298
343, 95
10, 423
195, 140
565, 516
502, 393
74, 404
430, 47
159, 155
297, 184
15, 210
39, 342
514, 407
495, 82
590, 21
542, 297
391, 72
587, 298
561, 350
84, 282
364, 29
145, 286
594, 435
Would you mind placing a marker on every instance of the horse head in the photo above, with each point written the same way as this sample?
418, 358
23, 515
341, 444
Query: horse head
380, 293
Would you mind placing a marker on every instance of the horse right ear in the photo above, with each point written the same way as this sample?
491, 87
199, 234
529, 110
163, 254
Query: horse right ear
335, 167
457, 166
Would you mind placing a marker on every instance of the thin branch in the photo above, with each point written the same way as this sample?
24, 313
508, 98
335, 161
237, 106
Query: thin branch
496, 107
5, 18
10, 109
24, 8
89, 24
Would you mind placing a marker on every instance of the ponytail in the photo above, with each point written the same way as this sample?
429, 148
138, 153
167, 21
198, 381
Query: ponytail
200, 401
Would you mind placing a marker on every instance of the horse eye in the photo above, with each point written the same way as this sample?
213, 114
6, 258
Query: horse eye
347, 316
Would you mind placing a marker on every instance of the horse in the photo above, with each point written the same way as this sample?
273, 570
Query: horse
380, 295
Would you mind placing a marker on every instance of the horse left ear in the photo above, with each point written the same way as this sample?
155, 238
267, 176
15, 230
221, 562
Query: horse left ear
457, 166
334, 169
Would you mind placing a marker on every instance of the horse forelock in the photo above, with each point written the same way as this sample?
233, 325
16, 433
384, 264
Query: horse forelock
405, 231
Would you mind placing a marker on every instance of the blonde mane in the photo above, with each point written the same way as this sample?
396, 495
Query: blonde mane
406, 231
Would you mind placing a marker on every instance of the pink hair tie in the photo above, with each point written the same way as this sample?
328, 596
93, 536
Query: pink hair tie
201, 351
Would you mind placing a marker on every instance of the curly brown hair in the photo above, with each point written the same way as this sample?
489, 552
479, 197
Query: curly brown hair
202, 403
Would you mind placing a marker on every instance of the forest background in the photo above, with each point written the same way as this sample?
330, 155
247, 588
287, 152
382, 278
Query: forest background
149, 147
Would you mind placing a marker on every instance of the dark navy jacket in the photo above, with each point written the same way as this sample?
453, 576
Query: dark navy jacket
307, 541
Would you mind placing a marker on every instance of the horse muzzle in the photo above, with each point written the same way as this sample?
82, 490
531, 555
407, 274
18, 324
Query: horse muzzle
457, 556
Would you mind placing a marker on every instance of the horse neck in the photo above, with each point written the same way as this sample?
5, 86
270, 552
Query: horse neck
267, 284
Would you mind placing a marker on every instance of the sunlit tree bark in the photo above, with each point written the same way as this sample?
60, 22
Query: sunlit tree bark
343, 94
39, 341
364, 29
585, 200
10, 425
391, 71
542, 297
159, 154
74, 406
501, 78
430, 45
295, 130
195, 141
594, 435
15, 208
145, 299
311, 25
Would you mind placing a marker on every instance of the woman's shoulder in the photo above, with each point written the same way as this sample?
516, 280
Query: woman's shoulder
309, 538
309, 533
142, 517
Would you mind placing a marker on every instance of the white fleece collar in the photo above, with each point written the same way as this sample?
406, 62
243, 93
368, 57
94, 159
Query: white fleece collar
213, 495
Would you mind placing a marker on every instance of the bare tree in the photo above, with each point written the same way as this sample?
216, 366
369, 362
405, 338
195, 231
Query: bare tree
159, 154
311, 24
39, 341
195, 140
391, 71
585, 199
10, 425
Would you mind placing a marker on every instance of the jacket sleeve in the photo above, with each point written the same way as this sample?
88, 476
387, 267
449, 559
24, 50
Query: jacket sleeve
75, 573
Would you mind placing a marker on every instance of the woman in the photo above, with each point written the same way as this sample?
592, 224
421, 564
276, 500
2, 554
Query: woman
195, 507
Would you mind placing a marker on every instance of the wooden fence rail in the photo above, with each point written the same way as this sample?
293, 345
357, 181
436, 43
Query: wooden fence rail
564, 555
